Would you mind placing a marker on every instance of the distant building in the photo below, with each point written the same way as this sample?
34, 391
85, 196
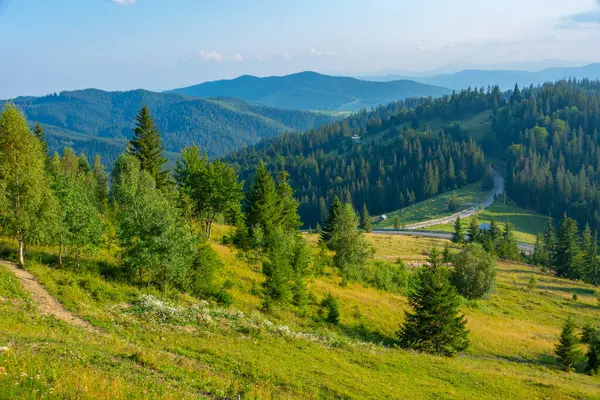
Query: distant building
356, 138
382, 218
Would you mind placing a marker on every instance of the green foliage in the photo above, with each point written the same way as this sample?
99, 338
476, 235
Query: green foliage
334, 210
434, 325
473, 232
262, 203
25, 196
458, 236
290, 220
365, 220
506, 247
146, 145
593, 354
531, 283
567, 258
78, 220
330, 304
397, 222
474, 272
453, 203
39, 134
390, 277
350, 246
156, 244
567, 350
211, 186
285, 266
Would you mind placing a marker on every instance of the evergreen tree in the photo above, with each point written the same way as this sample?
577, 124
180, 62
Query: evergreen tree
473, 232
332, 214
593, 266
567, 256
350, 246
290, 220
458, 236
567, 350
365, 220
434, 325
549, 244
25, 195
495, 231
507, 247
593, 354
262, 203
146, 145
41, 136
330, 303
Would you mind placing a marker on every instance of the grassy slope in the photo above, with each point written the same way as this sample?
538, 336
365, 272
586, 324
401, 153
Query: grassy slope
527, 224
512, 341
435, 207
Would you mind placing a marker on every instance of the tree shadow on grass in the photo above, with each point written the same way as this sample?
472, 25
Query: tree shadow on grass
571, 290
363, 333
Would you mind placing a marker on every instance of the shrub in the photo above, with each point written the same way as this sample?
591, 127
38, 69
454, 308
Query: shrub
330, 304
474, 274
532, 283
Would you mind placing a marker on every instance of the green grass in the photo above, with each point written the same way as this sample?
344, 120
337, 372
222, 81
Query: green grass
135, 356
436, 207
527, 224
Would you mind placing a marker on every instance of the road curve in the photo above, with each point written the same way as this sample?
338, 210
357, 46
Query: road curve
497, 190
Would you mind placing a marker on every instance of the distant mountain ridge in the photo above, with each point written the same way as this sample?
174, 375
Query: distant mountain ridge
93, 121
506, 79
312, 91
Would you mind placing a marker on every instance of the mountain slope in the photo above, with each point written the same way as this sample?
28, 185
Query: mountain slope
97, 121
506, 79
312, 91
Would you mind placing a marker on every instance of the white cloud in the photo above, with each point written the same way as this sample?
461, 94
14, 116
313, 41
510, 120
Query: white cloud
318, 53
211, 55
237, 58
123, 2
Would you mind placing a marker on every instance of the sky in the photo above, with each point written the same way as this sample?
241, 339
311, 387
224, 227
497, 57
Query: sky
48, 46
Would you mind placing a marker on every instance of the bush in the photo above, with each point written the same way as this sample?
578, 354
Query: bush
386, 276
330, 304
474, 274
532, 283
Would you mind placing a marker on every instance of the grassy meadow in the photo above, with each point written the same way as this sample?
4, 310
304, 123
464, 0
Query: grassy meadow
435, 207
181, 347
527, 224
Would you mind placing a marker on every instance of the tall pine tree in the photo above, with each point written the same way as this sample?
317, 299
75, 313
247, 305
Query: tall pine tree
458, 236
146, 145
262, 203
365, 220
290, 220
567, 350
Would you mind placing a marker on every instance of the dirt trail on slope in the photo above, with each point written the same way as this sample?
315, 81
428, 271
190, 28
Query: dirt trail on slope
47, 304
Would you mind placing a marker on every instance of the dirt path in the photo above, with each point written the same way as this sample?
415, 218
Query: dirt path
47, 304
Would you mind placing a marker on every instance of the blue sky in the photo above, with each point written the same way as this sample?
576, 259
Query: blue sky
53, 45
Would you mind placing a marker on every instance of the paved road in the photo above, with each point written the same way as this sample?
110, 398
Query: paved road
498, 189
524, 247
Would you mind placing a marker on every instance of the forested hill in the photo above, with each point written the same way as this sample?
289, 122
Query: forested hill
313, 91
547, 138
94, 121
388, 158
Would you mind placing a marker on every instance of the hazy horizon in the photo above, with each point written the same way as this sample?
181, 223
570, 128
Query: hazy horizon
155, 45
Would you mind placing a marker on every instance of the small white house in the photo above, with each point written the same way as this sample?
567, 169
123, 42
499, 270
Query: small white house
382, 218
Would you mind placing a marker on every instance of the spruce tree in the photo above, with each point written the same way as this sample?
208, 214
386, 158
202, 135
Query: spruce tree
473, 231
567, 350
593, 266
262, 203
290, 220
568, 256
332, 214
458, 236
593, 354
549, 244
146, 145
41, 136
434, 325
495, 231
365, 220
